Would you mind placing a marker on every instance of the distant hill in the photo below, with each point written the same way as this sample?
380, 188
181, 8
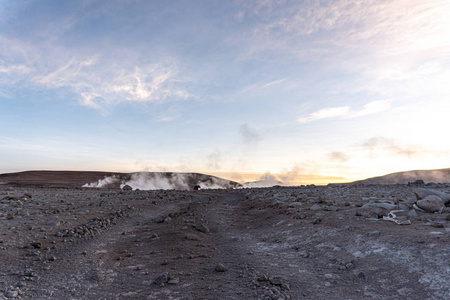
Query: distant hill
436, 176
94, 179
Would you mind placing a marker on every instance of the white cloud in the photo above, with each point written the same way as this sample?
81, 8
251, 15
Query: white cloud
382, 146
167, 118
345, 112
96, 79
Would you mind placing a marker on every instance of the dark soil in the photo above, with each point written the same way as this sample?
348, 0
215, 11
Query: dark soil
276, 243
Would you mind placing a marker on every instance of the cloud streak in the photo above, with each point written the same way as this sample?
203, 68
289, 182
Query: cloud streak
345, 112
95, 79
377, 145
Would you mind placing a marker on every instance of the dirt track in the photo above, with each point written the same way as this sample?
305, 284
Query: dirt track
279, 243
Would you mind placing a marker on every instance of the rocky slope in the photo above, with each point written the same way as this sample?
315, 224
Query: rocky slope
428, 176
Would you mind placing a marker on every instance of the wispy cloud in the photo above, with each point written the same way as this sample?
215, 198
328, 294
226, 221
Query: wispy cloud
94, 78
382, 146
262, 85
345, 112
167, 118
338, 156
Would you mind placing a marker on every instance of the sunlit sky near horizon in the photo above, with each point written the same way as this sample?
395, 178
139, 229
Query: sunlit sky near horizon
342, 88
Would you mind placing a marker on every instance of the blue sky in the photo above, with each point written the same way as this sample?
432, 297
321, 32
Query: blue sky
332, 88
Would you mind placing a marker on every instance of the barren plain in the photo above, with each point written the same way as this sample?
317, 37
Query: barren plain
310, 242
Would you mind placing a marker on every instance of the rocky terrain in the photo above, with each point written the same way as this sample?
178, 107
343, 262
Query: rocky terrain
427, 176
310, 242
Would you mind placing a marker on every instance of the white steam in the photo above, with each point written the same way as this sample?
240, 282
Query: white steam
266, 180
163, 181
103, 182
152, 181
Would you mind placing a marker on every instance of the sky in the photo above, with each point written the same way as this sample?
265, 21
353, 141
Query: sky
307, 90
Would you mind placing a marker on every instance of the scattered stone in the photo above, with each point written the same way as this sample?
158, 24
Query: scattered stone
11, 294
372, 212
36, 245
276, 280
221, 268
437, 224
162, 279
412, 214
202, 228
362, 276
192, 237
430, 203
375, 233
174, 281
331, 208
317, 221
316, 207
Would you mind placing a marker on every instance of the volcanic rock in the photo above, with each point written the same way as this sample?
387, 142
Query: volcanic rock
221, 268
423, 193
127, 188
430, 203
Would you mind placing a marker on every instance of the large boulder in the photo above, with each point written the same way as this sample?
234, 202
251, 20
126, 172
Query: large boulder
431, 204
423, 193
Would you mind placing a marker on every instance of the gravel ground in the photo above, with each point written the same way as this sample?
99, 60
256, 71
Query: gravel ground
331, 242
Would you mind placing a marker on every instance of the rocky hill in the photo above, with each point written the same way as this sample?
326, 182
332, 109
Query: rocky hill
436, 176
93, 179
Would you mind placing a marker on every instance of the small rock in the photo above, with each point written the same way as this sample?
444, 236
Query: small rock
262, 278
221, 268
52, 258
162, 279
316, 207
438, 224
317, 221
192, 237
331, 208
36, 245
412, 214
374, 233
202, 228
362, 276
374, 212
12, 294
276, 280
174, 281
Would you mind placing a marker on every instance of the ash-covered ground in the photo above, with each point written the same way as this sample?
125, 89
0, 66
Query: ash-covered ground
333, 242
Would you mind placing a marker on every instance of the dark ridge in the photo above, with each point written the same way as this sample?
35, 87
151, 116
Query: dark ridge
76, 179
